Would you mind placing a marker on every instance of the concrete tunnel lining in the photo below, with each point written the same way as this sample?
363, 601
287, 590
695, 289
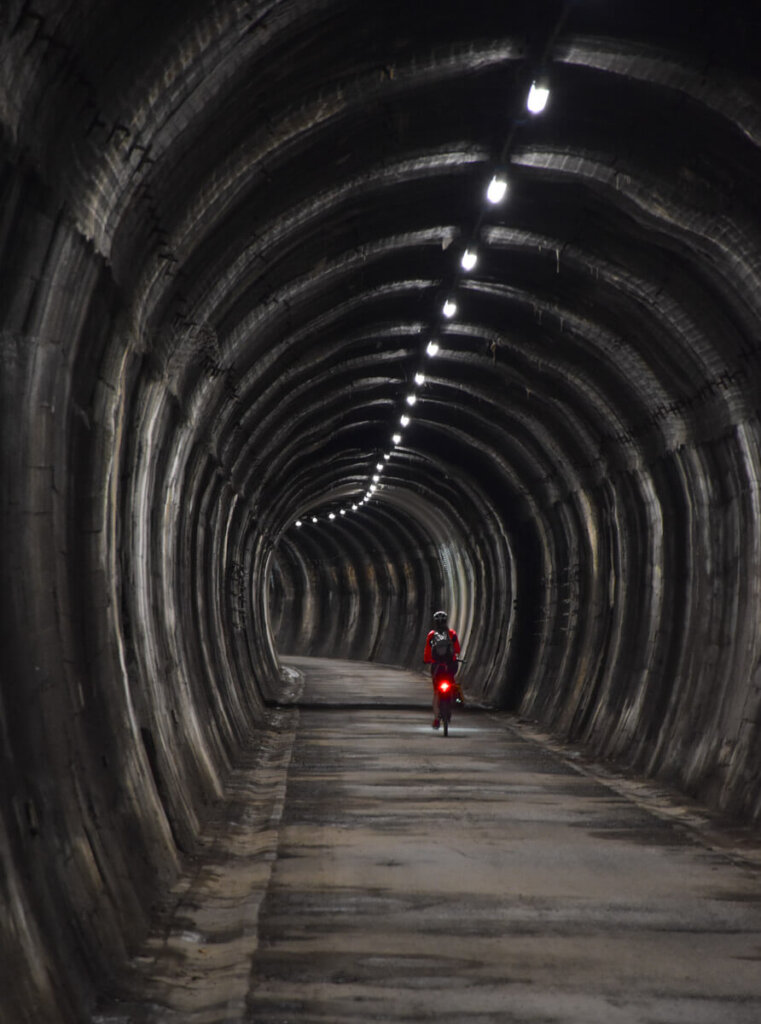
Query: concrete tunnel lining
226, 232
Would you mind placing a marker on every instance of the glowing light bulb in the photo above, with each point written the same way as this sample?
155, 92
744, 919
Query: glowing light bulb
354, 508
376, 477
419, 378
538, 95
469, 259
397, 438
432, 348
449, 308
343, 511
387, 457
379, 466
298, 522
404, 420
497, 189
373, 488
314, 519
411, 399
332, 515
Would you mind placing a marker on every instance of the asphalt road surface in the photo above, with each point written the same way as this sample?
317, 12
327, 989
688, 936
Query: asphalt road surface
366, 869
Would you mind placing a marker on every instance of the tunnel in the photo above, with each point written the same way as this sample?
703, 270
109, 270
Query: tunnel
311, 326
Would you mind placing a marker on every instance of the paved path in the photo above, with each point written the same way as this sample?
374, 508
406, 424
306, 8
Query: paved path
368, 869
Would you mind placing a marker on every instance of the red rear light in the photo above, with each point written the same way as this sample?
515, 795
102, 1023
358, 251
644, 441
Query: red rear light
444, 686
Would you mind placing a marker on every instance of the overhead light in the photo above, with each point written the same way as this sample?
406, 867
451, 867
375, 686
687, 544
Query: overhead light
314, 519
469, 259
354, 508
397, 438
373, 488
343, 511
449, 308
497, 188
298, 522
411, 399
538, 95
387, 457
432, 348
376, 477
404, 420
420, 378
379, 466
332, 515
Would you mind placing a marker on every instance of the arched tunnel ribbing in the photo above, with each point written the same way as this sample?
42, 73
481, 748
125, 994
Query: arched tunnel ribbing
226, 233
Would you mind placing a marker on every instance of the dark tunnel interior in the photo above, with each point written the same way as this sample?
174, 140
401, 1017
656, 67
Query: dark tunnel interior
237, 423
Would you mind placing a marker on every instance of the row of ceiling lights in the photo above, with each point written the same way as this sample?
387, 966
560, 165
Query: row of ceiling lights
496, 191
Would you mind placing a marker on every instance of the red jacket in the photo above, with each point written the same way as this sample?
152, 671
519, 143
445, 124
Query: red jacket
428, 655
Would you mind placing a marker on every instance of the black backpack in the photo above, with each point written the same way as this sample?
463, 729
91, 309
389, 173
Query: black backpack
442, 647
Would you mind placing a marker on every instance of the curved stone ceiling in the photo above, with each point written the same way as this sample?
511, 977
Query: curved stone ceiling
228, 231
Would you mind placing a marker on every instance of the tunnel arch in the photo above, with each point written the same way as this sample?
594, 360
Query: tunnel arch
226, 234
